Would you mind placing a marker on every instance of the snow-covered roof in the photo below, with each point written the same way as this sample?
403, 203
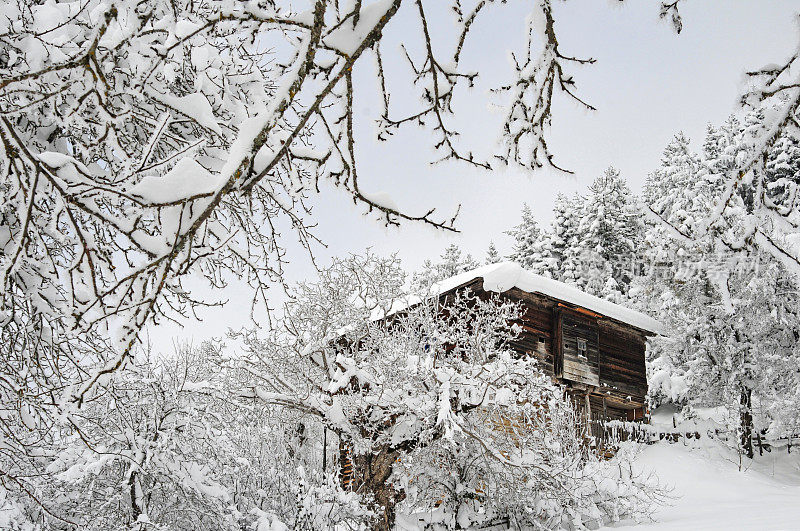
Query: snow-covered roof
503, 276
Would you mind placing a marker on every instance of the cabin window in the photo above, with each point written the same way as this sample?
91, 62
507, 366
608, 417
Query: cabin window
581, 347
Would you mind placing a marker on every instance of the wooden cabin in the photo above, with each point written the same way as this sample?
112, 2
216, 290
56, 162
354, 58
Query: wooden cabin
595, 348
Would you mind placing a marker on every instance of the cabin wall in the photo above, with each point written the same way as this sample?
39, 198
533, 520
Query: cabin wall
577, 366
614, 370
537, 323
535, 339
622, 365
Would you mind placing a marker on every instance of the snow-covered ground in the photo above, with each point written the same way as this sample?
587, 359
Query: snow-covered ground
710, 492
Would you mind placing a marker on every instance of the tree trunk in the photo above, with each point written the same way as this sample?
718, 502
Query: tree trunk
746, 422
368, 474
136, 505
760, 444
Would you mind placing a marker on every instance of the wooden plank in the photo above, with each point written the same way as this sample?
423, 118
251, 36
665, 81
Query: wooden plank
622, 361
578, 368
580, 372
576, 375
558, 344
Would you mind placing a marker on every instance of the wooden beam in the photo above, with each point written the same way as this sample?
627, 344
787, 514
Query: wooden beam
580, 310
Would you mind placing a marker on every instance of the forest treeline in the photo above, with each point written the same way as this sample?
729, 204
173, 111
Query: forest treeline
733, 312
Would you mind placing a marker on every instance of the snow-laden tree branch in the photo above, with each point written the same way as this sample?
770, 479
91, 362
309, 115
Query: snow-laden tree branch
147, 141
757, 208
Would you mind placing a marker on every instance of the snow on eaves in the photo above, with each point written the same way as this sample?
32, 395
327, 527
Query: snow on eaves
504, 276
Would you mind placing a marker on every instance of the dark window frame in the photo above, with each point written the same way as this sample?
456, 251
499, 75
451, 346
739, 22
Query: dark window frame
582, 347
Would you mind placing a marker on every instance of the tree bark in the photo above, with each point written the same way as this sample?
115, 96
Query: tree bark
136, 507
746, 422
369, 476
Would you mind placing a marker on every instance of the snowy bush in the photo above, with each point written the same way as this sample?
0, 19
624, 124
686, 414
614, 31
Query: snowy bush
319, 503
521, 463
150, 449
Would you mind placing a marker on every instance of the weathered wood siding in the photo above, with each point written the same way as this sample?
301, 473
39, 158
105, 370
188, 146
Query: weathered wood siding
623, 377
536, 337
574, 328
614, 371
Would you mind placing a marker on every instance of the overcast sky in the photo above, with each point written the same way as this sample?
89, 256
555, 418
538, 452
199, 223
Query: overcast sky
648, 83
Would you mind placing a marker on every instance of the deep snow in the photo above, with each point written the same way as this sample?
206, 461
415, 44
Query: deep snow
710, 493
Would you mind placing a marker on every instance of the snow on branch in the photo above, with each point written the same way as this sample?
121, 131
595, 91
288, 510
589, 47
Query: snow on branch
747, 213
145, 143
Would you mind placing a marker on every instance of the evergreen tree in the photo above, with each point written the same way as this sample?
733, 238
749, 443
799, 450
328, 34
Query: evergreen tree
609, 231
713, 145
529, 243
492, 256
454, 263
783, 172
525, 235
671, 191
612, 291
590, 241
563, 245
451, 263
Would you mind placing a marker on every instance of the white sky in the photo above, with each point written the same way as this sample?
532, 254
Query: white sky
647, 84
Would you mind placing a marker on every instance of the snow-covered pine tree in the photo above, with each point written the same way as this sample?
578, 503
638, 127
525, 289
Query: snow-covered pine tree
590, 240
671, 191
783, 171
524, 234
563, 243
492, 255
610, 233
713, 145
721, 144
451, 263
529, 248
